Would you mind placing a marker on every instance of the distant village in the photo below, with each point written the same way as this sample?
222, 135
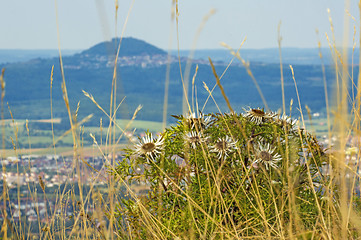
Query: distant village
31, 180
156, 60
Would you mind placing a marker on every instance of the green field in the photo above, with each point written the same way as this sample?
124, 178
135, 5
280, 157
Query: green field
18, 136
317, 126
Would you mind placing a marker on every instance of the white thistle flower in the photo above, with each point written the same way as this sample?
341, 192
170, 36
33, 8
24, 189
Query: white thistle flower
223, 147
193, 138
266, 155
149, 147
291, 123
256, 115
201, 122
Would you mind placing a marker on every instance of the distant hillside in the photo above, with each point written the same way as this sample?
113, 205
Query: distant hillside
141, 79
129, 47
294, 56
22, 55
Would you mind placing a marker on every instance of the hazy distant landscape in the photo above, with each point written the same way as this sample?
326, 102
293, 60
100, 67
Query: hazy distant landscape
141, 76
22, 55
296, 56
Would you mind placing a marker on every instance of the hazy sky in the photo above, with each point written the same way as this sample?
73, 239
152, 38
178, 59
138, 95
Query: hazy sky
31, 24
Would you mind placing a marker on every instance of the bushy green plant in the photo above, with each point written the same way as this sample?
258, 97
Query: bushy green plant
223, 175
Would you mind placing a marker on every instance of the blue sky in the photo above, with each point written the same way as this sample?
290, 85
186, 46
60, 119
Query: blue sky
83, 23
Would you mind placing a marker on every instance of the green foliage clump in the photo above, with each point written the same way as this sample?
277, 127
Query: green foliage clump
223, 176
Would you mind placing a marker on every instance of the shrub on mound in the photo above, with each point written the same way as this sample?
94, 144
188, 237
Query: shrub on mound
224, 176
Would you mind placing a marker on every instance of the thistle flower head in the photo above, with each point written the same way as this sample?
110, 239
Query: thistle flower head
149, 147
223, 147
199, 122
292, 124
255, 115
194, 138
266, 155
